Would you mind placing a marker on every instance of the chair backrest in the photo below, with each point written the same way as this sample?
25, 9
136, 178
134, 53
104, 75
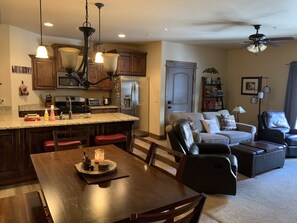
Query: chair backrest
140, 148
157, 156
185, 211
181, 138
71, 139
163, 159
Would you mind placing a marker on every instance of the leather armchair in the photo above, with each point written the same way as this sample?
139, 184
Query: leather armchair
208, 168
273, 126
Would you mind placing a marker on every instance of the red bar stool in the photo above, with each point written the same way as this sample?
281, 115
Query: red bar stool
112, 139
67, 139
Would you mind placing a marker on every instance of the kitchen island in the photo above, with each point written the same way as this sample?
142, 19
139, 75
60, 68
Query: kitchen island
19, 139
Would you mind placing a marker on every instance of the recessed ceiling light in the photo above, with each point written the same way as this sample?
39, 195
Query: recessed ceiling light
48, 24
122, 35
165, 29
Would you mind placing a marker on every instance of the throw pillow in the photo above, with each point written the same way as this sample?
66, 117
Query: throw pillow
228, 122
192, 125
210, 126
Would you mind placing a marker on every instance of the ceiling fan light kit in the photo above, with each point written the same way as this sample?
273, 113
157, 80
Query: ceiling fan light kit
258, 41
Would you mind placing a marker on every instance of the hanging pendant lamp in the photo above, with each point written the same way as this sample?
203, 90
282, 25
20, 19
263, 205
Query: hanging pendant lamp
99, 57
41, 50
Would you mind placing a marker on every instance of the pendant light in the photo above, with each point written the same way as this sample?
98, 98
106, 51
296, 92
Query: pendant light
99, 57
41, 50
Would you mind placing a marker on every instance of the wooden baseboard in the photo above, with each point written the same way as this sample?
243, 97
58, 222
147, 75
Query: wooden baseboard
157, 137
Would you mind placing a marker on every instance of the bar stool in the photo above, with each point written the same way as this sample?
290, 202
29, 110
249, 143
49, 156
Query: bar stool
112, 139
67, 139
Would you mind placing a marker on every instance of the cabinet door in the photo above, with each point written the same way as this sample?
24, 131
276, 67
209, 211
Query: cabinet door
44, 75
10, 155
96, 73
124, 64
34, 139
139, 64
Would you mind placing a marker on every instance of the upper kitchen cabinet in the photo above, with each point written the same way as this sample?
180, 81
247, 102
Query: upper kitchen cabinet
131, 63
96, 73
44, 73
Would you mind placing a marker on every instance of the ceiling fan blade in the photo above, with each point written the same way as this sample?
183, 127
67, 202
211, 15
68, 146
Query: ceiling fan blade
272, 43
279, 39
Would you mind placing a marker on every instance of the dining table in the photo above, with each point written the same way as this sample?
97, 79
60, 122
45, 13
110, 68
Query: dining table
134, 187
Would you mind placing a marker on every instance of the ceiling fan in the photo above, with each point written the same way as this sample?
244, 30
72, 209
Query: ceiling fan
258, 41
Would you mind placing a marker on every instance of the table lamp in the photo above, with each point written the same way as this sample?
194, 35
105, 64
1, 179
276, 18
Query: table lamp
238, 110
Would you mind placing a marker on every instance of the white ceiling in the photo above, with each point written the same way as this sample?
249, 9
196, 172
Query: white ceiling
216, 23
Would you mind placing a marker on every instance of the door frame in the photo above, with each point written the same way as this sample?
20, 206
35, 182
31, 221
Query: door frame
180, 64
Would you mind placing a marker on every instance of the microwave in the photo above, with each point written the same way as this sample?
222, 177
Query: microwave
64, 81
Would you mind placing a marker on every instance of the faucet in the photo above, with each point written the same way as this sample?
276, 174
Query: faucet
70, 106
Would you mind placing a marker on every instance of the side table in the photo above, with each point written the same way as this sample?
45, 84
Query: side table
258, 157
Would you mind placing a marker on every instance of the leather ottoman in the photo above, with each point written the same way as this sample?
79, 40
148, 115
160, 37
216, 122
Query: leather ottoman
258, 157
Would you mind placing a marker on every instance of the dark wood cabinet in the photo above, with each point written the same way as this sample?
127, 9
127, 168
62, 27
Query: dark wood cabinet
44, 74
96, 72
212, 94
11, 154
104, 110
131, 63
16, 146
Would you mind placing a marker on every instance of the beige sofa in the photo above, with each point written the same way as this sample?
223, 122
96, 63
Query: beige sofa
242, 133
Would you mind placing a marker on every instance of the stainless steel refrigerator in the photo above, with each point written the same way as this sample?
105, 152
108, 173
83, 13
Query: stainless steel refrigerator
134, 95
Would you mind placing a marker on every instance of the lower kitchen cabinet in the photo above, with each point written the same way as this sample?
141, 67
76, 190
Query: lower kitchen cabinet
16, 146
11, 154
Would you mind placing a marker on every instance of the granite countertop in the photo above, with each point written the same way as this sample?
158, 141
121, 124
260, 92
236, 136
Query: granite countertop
9, 121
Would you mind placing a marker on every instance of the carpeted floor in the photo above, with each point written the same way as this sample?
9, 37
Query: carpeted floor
267, 198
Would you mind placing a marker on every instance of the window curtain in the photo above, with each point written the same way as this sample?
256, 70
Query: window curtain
291, 96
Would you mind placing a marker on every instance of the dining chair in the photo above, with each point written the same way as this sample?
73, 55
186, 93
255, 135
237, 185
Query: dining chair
158, 156
140, 148
187, 211
71, 139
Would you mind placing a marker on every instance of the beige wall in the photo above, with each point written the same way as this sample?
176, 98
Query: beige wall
272, 63
204, 57
5, 86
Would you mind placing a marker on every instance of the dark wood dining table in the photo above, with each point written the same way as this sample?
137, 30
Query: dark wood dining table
70, 199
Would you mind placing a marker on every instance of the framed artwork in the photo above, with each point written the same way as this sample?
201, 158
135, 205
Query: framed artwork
250, 85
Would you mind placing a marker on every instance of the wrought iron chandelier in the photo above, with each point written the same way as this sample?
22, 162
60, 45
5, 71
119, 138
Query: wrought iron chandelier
76, 65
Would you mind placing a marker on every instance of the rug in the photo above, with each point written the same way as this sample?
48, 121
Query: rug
270, 197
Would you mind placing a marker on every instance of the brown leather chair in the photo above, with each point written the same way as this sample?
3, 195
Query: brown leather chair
208, 168
273, 127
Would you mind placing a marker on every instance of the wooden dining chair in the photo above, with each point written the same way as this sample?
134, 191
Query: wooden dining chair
187, 211
157, 156
140, 148
71, 139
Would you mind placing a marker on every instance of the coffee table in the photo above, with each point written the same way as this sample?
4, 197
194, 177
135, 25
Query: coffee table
258, 157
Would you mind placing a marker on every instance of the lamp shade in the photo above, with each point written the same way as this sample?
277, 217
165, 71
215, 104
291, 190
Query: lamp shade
239, 109
267, 89
69, 57
254, 100
256, 48
110, 62
41, 52
260, 94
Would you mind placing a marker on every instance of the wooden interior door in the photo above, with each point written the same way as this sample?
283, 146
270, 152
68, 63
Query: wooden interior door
180, 83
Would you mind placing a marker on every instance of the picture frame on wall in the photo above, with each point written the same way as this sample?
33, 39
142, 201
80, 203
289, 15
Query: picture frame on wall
250, 85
